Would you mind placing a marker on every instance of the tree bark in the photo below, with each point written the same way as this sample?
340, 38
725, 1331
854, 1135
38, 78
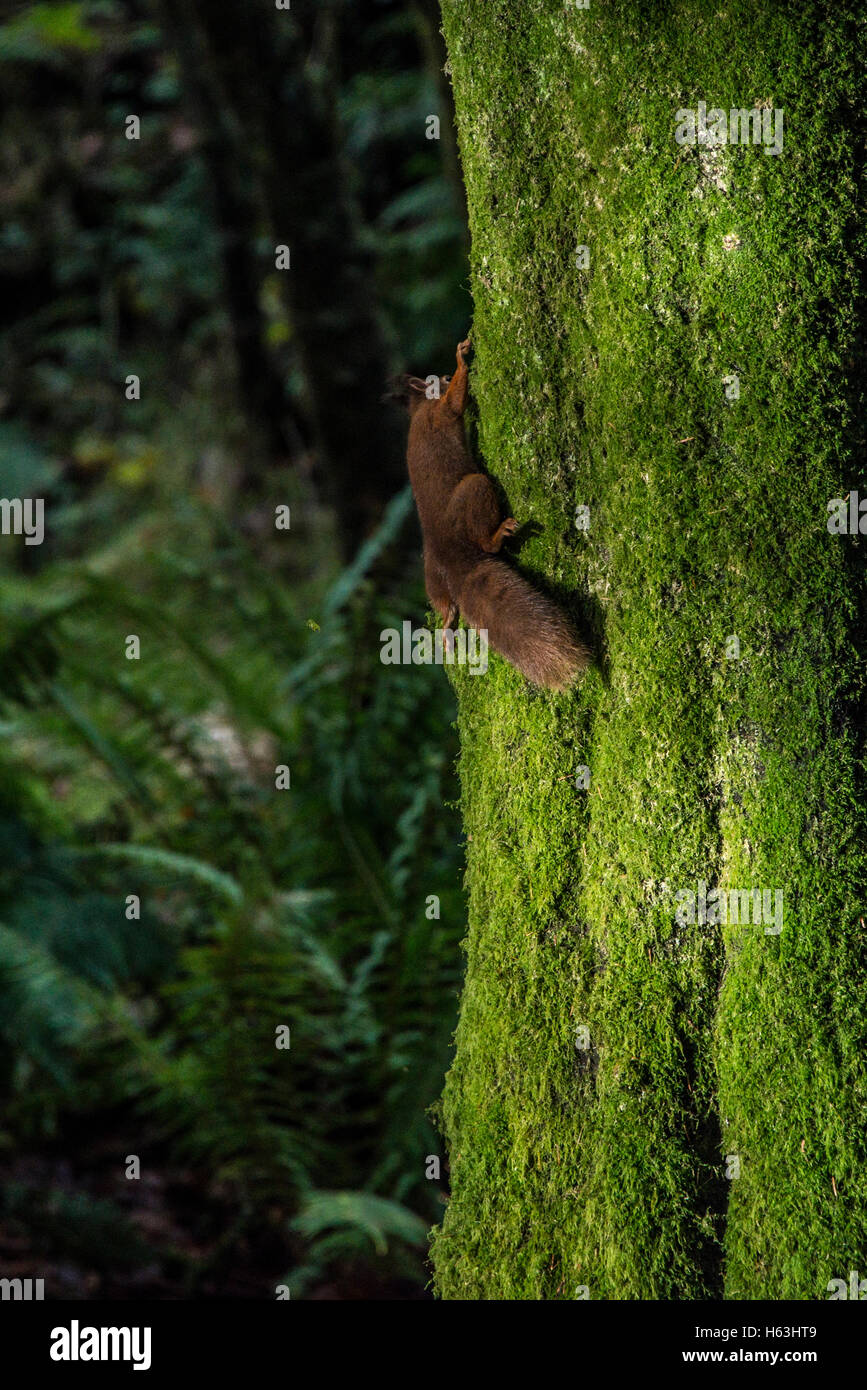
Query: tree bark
643, 1105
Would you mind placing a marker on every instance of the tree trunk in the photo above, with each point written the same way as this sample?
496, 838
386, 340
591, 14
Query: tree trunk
643, 1105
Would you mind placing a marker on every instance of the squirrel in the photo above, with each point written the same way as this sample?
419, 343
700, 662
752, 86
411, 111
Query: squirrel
463, 531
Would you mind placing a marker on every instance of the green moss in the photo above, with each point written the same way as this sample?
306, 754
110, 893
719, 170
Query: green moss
606, 1167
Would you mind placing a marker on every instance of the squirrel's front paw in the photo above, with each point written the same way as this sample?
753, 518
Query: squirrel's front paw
464, 350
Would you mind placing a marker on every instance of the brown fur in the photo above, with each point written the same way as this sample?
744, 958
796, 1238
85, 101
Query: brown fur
463, 531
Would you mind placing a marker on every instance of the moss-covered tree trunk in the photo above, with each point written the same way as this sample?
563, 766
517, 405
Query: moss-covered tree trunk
641, 1105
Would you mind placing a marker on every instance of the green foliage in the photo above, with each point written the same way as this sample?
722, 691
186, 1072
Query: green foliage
349, 1224
156, 778
25, 469
130, 255
45, 31
416, 220
260, 908
76, 1225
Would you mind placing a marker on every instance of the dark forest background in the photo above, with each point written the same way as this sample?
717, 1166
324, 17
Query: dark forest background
149, 785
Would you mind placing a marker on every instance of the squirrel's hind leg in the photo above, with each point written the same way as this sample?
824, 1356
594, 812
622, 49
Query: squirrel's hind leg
474, 501
437, 591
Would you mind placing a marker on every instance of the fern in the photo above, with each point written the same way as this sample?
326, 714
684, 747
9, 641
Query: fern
304, 909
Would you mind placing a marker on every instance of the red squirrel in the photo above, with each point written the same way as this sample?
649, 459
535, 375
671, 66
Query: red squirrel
463, 531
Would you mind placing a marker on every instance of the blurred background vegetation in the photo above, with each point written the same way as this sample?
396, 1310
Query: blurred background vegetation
260, 647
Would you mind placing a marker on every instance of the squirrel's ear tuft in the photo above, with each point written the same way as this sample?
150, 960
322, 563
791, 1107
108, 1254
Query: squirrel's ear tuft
403, 390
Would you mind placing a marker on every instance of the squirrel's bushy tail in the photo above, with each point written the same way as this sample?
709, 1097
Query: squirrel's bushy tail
524, 626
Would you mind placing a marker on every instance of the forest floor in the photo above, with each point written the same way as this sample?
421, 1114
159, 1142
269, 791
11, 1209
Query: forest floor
164, 1237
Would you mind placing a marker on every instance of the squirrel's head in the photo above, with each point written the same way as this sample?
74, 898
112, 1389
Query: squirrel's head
413, 391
